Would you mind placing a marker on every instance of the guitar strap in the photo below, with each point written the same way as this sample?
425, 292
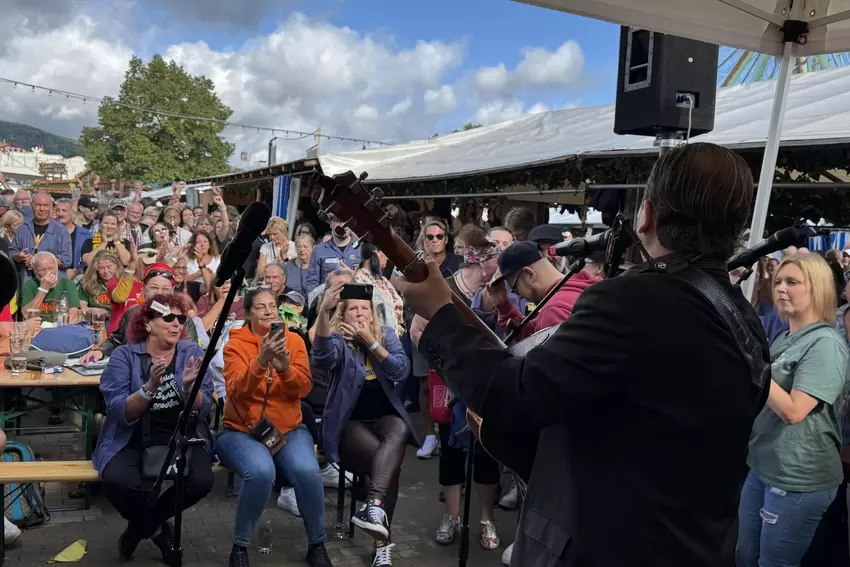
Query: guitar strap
749, 344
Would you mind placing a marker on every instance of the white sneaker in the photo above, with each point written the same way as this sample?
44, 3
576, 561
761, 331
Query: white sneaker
330, 476
11, 532
383, 556
510, 501
506, 555
429, 448
286, 501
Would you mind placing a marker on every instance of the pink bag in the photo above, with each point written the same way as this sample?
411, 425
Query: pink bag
440, 395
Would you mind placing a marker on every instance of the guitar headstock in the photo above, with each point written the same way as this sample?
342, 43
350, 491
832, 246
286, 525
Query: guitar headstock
361, 210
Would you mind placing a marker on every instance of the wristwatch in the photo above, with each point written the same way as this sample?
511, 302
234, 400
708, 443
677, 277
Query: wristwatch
145, 394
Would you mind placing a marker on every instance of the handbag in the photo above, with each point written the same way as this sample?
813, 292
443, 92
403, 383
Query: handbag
439, 408
264, 430
153, 456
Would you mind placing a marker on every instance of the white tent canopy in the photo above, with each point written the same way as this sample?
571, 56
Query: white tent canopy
747, 24
818, 113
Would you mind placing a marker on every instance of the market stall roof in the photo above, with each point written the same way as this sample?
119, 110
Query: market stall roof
818, 114
754, 25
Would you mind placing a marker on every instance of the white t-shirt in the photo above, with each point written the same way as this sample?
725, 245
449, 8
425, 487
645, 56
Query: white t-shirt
272, 253
192, 267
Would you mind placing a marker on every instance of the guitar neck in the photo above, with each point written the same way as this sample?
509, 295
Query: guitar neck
470, 316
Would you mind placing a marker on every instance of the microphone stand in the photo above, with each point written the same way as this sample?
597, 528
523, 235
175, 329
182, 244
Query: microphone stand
184, 435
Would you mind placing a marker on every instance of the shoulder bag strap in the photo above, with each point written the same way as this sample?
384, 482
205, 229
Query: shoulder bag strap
749, 345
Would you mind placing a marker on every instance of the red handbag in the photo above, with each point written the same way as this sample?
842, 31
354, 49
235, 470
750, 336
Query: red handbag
440, 395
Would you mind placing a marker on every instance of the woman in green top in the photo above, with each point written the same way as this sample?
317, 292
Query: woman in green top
93, 294
795, 468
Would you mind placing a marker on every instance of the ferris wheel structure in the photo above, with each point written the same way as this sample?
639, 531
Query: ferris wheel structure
739, 66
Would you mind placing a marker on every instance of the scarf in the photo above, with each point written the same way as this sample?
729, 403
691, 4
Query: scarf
479, 254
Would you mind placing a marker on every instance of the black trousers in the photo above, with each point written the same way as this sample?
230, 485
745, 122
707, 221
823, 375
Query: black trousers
830, 547
376, 450
485, 469
128, 494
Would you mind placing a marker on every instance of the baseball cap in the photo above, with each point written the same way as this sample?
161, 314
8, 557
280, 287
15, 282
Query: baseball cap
294, 297
516, 257
546, 233
4, 202
88, 202
117, 204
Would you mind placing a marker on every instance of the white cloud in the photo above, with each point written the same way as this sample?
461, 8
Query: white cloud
440, 101
401, 107
541, 67
492, 79
366, 112
538, 108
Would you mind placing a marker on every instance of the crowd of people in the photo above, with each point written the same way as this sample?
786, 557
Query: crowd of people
320, 365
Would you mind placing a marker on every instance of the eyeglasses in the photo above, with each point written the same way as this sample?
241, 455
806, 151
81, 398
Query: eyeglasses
167, 274
437, 236
172, 316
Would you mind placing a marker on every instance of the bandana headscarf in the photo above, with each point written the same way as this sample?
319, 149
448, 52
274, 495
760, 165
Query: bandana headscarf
479, 254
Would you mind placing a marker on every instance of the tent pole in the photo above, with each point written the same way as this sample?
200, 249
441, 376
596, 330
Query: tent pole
771, 151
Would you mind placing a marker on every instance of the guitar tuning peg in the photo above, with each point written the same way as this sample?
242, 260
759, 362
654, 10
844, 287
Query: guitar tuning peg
332, 208
374, 200
363, 176
390, 212
377, 194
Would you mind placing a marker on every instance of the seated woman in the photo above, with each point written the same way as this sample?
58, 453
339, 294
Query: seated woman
203, 256
266, 375
365, 423
145, 386
93, 285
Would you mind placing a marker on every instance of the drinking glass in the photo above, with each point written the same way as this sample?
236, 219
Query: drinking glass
98, 324
19, 344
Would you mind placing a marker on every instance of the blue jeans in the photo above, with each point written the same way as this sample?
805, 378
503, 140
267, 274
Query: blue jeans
252, 461
775, 527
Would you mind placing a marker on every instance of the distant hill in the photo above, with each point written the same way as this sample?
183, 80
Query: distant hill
28, 137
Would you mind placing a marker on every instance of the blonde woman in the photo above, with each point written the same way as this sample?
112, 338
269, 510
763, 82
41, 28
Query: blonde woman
9, 223
278, 248
93, 293
365, 423
795, 466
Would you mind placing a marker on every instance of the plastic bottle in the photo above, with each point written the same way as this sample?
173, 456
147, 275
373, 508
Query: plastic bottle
62, 310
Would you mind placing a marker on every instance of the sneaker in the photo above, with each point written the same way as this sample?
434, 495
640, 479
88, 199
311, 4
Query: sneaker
11, 532
239, 557
489, 535
447, 529
383, 556
373, 520
317, 556
330, 476
510, 501
287, 501
164, 540
429, 448
506, 555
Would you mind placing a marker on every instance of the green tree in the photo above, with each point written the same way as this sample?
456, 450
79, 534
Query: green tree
135, 144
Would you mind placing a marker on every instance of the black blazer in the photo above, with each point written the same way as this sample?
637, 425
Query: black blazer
642, 408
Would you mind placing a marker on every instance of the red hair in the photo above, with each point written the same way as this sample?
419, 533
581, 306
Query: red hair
137, 330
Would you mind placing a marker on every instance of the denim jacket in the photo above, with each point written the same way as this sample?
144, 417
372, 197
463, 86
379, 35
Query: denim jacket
55, 240
82, 234
347, 371
128, 368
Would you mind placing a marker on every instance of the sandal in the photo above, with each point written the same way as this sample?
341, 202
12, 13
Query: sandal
489, 535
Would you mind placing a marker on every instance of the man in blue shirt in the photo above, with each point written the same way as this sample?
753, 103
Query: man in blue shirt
335, 254
41, 234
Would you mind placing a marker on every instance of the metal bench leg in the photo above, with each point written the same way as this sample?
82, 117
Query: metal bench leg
353, 503
231, 478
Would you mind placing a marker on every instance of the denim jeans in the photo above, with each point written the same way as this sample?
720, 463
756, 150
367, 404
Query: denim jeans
775, 527
252, 461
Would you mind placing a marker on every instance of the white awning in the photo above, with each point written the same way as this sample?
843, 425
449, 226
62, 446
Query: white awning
818, 113
746, 24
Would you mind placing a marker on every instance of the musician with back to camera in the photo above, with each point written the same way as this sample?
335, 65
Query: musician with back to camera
642, 401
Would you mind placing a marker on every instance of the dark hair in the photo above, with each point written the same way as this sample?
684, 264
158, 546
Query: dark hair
137, 331
369, 256
473, 235
701, 195
190, 247
519, 221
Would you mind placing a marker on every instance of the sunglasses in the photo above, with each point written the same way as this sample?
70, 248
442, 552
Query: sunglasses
171, 317
164, 273
437, 236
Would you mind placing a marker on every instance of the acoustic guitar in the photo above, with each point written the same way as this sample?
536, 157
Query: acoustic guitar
360, 208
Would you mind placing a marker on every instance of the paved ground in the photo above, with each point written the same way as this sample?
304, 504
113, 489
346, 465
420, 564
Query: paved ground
208, 526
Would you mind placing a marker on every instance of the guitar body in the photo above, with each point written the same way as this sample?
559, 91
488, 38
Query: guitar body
514, 447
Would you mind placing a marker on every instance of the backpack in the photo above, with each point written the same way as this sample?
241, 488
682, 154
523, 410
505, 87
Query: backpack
23, 503
72, 340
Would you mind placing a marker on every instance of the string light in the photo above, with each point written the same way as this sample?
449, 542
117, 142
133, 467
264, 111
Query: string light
298, 135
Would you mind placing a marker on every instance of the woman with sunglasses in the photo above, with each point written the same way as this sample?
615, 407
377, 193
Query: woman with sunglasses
146, 386
160, 239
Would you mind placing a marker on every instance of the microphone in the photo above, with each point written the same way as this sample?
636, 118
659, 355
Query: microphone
773, 243
582, 247
252, 222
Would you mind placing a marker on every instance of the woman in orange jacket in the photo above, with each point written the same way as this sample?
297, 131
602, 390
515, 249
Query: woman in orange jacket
266, 374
